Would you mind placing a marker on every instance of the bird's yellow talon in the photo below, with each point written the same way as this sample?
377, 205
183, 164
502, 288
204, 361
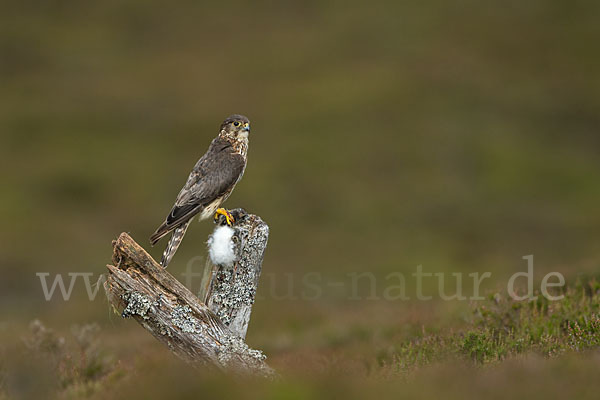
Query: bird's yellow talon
228, 217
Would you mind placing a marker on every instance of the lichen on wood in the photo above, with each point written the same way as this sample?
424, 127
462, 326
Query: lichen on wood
141, 289
229, 290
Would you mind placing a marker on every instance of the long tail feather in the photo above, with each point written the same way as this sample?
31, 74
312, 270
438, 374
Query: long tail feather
159, 234
174, 243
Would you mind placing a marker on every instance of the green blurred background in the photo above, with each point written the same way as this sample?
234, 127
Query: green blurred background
458, 135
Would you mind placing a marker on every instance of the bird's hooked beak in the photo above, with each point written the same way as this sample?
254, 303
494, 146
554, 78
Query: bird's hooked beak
246, 127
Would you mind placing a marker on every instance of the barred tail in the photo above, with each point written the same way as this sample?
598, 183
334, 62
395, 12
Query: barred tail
174, 243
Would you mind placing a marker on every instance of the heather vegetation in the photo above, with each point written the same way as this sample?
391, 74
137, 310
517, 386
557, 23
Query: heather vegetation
386, 135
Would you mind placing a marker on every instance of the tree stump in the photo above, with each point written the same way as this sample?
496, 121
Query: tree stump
140, 288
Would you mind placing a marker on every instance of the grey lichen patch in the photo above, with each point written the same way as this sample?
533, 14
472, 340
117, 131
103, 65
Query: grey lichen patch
165, 330
233, 346
137, 304
259, 239
231, 291
183, 319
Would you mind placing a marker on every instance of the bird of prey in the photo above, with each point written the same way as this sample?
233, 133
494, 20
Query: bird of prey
210, 183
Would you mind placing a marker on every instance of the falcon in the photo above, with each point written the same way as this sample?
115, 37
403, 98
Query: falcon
210, 183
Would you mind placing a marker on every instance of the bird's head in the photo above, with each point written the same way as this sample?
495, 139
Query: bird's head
236, 126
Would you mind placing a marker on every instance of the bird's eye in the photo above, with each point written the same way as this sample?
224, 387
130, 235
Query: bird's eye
236, 123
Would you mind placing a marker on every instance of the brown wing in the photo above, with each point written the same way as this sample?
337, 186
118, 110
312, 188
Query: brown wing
214, 175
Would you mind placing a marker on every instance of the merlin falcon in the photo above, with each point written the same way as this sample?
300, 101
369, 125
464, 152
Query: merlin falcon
210, 183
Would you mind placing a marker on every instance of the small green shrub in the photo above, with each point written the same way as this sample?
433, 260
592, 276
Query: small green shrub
502, 328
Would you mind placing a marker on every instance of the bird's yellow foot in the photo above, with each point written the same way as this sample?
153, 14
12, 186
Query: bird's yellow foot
228, 217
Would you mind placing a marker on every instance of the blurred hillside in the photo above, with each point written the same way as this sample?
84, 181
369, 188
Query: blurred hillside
460, 136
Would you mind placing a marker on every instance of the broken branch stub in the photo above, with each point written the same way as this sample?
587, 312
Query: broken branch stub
231, 280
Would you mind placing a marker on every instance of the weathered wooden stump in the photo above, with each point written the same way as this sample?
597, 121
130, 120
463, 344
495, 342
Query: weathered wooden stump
229, 289
139, 287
